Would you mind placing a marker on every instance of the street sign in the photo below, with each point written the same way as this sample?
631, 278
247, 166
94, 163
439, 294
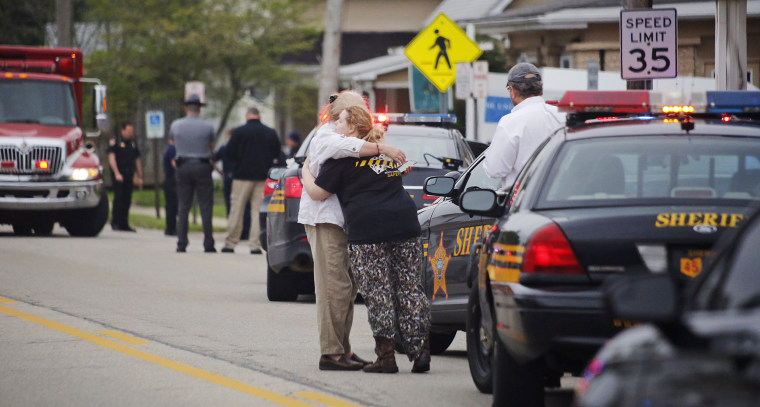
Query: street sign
463, 80
648, 44
195, 88
423, 95
154, 124
480, 79
438, 47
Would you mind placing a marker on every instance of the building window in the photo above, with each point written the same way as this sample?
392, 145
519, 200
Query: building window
566, 61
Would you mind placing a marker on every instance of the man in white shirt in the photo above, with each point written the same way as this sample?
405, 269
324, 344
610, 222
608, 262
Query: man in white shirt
323, 220
520, 132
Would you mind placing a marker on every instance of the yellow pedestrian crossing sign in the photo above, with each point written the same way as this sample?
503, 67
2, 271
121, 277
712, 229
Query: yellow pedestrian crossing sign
436, 50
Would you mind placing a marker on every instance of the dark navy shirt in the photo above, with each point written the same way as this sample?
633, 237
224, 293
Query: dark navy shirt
376, 206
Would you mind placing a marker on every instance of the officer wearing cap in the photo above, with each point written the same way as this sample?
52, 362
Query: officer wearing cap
194, 142
126, 170
521, 131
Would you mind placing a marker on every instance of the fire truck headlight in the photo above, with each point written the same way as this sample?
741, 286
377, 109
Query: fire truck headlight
84, 174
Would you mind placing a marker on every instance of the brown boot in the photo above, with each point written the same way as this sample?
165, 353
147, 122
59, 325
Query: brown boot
422, 359
386, 358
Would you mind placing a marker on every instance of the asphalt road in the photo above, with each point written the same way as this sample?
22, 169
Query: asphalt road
123, 320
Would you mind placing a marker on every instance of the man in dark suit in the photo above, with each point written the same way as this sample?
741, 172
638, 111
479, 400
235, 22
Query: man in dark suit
252, 149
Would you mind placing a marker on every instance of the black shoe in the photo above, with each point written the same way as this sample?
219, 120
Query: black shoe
181, 250
343, 363
228, 250
129, 229
256, 251
210, 250
115, 227
170, 233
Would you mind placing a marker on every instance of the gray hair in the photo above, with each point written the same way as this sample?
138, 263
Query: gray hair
253, 111
528, 89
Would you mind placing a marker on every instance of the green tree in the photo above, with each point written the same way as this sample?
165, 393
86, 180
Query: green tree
154, 46
23, 22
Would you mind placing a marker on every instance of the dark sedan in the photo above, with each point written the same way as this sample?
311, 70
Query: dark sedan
429, 140
611, 195
703, 350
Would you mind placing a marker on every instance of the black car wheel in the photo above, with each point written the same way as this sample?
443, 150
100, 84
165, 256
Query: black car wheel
87, 222
516, 384
281, 286
479, 356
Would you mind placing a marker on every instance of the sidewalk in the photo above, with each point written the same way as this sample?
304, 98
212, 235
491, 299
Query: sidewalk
151, 211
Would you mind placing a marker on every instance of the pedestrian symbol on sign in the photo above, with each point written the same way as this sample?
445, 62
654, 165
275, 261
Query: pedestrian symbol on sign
442, 39
441, 42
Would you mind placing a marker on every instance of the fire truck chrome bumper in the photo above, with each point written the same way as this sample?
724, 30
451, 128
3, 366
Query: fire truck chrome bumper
49, 195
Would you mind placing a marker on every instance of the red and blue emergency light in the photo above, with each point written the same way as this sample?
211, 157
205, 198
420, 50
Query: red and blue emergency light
608, 106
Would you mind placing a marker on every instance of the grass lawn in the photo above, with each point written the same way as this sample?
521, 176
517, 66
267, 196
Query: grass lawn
147, 197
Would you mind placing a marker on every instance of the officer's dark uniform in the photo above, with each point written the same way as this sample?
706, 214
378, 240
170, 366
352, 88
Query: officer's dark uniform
126, 153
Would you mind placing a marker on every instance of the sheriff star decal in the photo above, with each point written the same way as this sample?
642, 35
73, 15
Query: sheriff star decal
440, 261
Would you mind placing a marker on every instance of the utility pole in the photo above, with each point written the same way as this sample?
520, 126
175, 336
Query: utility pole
632, 5
328, 81
63, 21
731, 45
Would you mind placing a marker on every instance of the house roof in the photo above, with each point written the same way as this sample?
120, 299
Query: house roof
370, 69
569, 14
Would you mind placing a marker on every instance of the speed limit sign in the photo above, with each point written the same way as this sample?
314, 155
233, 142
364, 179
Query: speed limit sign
648, 44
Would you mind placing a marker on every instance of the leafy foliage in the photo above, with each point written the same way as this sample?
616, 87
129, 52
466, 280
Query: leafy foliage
154, 46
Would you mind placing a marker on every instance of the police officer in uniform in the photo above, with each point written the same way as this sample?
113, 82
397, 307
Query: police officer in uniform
194, 140
124, 159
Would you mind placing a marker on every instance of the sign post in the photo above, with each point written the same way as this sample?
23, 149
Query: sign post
154, 130
436, 50
648, 44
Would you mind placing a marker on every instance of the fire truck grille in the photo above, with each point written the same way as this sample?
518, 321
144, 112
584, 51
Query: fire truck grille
31, 160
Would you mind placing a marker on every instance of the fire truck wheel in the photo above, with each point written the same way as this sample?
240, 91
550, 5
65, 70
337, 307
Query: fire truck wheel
88, 222
22, 229
43, 227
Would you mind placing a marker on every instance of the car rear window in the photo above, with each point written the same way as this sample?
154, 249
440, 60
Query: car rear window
623, 170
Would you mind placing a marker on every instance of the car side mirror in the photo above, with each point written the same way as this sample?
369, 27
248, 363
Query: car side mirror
646, 298
276, 172
481, 202
439, 186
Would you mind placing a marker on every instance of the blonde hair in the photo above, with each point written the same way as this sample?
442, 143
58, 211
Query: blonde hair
338, 103
361, 118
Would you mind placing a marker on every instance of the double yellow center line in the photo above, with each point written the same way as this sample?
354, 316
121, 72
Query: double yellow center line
174, 365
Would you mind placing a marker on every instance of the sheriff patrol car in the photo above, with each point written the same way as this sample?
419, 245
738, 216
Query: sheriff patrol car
427, 139
638, 182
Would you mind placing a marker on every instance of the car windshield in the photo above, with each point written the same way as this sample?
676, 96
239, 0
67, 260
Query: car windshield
41, 102
653, 169
735, 281
423, 148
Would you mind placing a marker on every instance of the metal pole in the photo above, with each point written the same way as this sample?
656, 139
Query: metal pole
471, 119
155, 178
442, 103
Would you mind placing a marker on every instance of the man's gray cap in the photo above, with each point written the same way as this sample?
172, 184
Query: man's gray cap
524, 72
194, 99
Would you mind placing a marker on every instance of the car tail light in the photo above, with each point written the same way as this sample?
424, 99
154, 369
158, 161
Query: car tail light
293, 187
270, 186
548, 251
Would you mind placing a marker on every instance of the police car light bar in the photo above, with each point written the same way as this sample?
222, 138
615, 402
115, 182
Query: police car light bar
598, 103
733, 101
587, 101
419, 118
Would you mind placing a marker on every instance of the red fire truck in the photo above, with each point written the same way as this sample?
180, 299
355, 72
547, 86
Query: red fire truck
49, 171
